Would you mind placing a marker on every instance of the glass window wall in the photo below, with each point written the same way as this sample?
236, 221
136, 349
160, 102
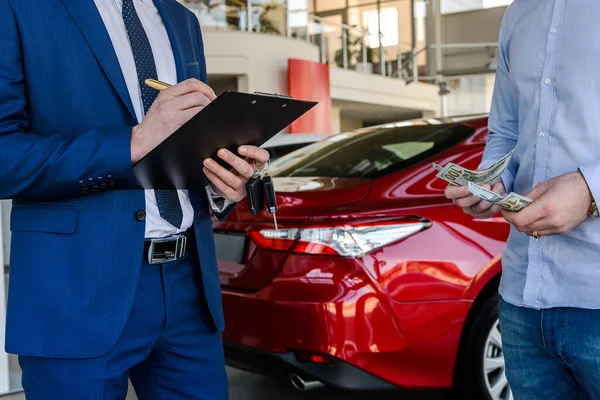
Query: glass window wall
385, 27
266, 16
454, 6
367, 35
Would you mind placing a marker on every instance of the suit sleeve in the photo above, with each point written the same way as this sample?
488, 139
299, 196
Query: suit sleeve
54, 166
503, 119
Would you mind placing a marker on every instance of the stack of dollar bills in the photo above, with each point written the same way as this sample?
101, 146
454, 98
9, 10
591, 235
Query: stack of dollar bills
459, 176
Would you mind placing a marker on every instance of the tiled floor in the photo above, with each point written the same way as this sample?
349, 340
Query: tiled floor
244, 386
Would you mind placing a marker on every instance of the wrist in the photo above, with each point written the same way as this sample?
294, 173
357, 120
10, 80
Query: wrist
137, 144
592, 209
212, 190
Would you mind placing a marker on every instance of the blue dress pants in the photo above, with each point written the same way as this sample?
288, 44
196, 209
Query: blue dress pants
169, 347
552, 353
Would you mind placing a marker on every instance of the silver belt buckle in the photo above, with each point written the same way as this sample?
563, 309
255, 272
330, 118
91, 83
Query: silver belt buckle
155, 257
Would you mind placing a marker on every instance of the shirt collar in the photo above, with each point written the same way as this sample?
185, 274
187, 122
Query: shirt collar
119, 3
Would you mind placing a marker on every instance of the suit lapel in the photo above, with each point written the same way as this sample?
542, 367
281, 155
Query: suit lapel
88, 19
166, 13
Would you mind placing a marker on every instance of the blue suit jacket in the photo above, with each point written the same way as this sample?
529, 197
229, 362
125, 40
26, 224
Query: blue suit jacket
65, 125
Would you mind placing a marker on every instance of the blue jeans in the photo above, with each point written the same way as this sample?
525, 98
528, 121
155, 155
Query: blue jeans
169, 348
551, 354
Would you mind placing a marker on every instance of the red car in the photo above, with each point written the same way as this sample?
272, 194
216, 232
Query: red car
374, 280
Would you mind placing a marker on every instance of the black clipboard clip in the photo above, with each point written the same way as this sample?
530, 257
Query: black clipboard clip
279, 96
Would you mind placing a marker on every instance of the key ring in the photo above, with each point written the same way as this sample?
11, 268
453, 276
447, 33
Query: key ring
258, 173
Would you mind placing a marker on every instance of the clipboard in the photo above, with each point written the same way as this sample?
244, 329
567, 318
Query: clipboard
231, 120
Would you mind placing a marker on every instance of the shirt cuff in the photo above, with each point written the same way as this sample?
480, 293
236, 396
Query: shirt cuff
216, 202
591, 174
508, 180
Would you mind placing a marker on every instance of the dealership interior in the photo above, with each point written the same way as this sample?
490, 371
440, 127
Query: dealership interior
371, 65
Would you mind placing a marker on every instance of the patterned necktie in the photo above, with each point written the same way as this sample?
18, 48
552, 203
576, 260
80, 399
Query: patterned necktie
167, 200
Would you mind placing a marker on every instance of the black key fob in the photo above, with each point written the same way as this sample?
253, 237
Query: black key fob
255, 192
270, 194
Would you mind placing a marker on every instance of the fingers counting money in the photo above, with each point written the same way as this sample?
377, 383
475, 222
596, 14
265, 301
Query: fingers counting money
459, 176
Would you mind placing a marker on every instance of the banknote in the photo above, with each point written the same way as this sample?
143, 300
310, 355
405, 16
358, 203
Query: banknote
493, 172
485, 194
511, 202
457, 175
515, 202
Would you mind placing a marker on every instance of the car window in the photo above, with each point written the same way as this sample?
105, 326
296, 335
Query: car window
371, 154
280, 151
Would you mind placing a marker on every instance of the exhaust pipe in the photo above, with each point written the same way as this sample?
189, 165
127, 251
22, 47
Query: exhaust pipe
300, 384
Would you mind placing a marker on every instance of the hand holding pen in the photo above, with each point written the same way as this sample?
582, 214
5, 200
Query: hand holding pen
174, 106
182, 102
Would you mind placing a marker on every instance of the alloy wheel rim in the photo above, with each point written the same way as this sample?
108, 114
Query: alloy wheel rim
494, 373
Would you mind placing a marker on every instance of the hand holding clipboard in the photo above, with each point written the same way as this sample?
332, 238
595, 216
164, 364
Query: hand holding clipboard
231, 120
229, 182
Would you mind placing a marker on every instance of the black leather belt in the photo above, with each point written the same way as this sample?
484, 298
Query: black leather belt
164, 250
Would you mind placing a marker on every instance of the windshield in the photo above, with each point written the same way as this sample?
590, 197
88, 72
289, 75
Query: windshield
277, 152
371, 153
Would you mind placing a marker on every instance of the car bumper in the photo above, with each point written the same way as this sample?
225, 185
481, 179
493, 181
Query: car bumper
342, 313
337, 374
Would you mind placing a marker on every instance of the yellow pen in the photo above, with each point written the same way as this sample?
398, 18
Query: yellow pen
156, 84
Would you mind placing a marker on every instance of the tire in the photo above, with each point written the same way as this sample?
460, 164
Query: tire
479, 371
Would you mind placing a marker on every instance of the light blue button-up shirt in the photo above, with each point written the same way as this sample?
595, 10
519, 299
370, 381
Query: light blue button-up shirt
546, 106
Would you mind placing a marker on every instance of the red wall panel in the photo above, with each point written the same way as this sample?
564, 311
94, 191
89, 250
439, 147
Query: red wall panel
309, 80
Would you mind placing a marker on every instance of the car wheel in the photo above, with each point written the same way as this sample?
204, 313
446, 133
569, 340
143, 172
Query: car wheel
480, 373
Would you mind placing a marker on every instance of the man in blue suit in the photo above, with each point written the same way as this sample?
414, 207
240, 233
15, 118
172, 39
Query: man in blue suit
109, 281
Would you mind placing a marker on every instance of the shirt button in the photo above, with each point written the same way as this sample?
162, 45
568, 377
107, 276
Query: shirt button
542, 134
547, 81
140, 215
553, 30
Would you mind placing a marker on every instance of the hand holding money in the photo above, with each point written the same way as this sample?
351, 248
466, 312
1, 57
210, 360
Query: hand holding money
560, 205
473, 205
510, 202
480, 193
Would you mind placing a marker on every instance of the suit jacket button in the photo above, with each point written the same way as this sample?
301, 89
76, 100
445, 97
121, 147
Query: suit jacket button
140, 215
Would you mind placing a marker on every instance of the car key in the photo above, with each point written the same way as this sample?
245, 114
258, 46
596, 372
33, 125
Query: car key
270, 196
255, 192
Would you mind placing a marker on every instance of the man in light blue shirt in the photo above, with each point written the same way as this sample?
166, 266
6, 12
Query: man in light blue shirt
546, 106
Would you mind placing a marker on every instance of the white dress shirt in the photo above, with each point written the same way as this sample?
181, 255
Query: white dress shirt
110, 10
